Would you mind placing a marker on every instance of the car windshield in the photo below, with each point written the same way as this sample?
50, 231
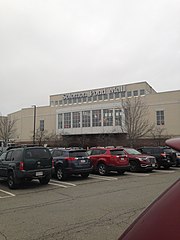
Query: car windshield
168, 150
78, 154
37, 153
132, 151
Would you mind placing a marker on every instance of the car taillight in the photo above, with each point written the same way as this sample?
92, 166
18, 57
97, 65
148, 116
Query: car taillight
70, 158
53, 163
163, 154
21, 166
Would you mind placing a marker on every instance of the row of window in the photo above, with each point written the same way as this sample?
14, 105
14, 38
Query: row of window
94, 118
101, 97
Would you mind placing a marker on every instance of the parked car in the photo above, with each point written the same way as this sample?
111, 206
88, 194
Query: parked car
139, 161
165, 156
69, 162
177, 159
161, 219
26, 163
105, 160
174, 143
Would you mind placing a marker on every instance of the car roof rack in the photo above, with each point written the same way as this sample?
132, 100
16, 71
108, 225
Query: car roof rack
23, 146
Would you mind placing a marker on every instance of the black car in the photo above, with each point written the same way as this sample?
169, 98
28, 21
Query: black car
165, 156
67, 162
26, 163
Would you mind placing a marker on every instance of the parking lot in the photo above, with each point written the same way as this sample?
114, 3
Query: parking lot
99, 207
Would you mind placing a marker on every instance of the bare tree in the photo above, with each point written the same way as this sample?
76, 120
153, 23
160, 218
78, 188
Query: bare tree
158, 135
7, 129
42, 137
135, 122
56, 139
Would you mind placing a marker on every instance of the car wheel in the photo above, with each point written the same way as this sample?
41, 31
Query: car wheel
134, 166
121, 172
11, 181
60, 174
158, 166
84, 175
44, 180
102, 169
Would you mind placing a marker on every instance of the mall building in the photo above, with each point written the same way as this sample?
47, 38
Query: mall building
95, 116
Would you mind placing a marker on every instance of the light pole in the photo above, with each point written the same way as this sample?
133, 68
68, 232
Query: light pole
34, 123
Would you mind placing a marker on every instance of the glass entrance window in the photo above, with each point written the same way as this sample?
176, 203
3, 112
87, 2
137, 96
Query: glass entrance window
86, 120
60, 121
76, 119
96, 118
107, 117
67, 120
118, 117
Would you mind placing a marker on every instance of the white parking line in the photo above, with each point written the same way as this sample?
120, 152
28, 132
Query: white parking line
67, 183
138, 174
164, 171
61, 184
104, 178
8, 193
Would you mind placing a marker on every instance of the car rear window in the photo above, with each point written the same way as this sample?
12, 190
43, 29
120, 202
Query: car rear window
37, 153
132, 151
78, 154
167, 150
3, 155
117, 152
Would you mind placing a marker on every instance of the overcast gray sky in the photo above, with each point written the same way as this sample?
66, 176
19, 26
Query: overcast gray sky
57, 46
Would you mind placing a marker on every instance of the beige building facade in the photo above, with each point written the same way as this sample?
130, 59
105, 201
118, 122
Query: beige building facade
97, 112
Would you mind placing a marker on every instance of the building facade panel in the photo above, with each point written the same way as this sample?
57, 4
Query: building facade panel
98, 111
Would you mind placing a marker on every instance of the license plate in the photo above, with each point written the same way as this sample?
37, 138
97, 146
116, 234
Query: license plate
83, 161
153, 165
39, 173
122, 158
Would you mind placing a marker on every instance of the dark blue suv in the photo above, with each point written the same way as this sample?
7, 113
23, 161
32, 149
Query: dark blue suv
67, 162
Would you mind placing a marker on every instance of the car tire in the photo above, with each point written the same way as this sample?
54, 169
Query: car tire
11, 181
121, 172
102, 169
84, 175
177, 163
158, 166
44, 180
166, 167
134, 166
60, 174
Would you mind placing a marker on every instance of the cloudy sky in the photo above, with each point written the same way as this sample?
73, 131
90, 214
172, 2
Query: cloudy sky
57, 46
